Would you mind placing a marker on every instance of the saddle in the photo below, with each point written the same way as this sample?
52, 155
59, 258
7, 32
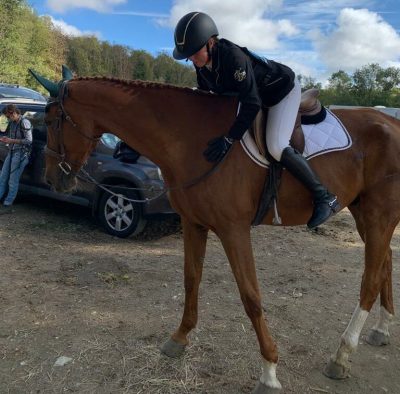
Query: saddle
310, 111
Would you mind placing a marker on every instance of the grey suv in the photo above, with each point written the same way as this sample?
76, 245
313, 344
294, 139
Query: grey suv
8, 91
136, 180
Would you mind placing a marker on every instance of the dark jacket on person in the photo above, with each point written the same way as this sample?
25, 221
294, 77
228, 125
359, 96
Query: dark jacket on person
256, 81
20, 130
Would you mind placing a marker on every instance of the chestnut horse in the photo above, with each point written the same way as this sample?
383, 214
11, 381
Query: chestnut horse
171, 126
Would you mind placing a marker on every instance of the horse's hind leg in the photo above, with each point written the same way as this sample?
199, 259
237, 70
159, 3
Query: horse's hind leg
376, 223
237, 245
379, 334
195, 240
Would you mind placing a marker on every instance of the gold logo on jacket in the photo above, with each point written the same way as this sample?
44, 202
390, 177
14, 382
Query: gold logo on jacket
239, 75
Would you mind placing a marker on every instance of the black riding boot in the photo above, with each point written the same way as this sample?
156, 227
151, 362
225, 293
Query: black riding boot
325, 203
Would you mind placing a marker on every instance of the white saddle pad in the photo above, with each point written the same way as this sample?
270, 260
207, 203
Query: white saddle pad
327, 136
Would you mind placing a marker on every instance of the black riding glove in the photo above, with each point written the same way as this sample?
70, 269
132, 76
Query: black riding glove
217, 148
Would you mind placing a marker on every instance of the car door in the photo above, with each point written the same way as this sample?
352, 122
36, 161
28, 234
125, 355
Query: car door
34, 173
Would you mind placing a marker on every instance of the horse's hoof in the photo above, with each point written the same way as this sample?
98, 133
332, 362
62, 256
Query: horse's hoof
261, 388
377, 338
172, 349
334, 370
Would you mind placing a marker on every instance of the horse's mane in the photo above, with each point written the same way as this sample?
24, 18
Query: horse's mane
143, 84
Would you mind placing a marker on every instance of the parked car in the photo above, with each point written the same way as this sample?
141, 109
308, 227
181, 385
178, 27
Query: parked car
8, 91
140, 179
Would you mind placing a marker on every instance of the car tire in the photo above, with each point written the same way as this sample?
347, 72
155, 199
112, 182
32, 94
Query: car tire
121, 217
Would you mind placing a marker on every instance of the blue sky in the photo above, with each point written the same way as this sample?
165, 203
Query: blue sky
315, 37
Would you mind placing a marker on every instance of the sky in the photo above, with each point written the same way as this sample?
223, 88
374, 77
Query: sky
315, 37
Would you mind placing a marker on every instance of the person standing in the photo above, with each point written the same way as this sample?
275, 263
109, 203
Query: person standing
19, 142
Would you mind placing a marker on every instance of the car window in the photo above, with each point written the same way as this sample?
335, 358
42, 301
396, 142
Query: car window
110, 140
3, 123
38, 127
19, 92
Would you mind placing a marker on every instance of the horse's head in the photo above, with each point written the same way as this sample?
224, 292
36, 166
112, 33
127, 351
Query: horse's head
68, 140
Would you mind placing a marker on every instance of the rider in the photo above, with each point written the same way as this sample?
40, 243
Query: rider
222, 66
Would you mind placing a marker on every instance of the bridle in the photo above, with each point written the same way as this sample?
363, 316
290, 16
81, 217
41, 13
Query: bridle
56, 126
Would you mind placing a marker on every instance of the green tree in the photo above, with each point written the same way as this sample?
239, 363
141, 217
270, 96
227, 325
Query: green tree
338, 90
142, 65
27, 40
166, 69
308, 82
123, 67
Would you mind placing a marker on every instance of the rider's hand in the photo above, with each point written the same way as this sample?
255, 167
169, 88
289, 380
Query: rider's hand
217, 148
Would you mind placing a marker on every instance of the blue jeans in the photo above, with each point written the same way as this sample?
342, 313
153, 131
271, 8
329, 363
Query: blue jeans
13, 166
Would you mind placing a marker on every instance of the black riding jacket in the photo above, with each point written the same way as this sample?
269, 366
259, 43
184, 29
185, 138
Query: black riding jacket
256, 81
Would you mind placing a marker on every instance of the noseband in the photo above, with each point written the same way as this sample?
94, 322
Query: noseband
56, 125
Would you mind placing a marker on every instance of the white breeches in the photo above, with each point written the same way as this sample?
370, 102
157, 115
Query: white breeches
281, 121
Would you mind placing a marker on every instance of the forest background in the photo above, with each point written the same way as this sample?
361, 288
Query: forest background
28, 40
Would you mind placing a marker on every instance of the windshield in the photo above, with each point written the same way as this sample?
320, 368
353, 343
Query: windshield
110, 140
18, 92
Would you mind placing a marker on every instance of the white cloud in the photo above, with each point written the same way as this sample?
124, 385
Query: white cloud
361, 37
96, 5
72, 31
243, 23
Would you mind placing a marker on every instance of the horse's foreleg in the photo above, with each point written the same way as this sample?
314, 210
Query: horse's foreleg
238, 248
195, 239
377, 236
379, 334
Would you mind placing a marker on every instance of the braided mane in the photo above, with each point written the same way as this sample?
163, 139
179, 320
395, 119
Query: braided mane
143, 84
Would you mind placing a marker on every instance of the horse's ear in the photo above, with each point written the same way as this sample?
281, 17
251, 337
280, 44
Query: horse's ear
50, 86
66, 73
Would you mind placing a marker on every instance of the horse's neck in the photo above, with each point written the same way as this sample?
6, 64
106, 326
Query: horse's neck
169, 126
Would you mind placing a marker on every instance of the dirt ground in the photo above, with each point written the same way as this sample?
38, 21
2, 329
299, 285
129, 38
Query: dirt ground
107, 304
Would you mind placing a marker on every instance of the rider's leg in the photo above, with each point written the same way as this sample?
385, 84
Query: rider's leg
281, 120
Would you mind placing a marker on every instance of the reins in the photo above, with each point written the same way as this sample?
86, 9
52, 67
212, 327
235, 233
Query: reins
88, 178
66, 167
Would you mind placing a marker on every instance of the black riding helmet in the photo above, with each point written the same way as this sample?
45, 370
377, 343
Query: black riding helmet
191, 33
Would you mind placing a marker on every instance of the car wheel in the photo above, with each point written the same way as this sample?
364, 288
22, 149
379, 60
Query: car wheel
119, 216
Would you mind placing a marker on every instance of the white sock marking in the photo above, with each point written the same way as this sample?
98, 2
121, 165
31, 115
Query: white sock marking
349, 340
384, 320
268, 376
